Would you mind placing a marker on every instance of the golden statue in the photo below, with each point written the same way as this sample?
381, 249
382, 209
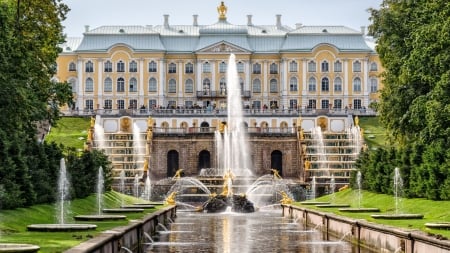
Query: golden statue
222, 127
149, 122
149, 134
89, 135
276, 174
177, 174
222, 10
365, 147
356, 121
361, 133
307, 165
304, 149
145, 164
125, 124
285, 199
92, 121
302, 134
170, 200
227, 180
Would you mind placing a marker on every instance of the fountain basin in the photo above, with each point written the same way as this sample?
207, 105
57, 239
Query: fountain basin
314, 203
60, 227
142, 206
123, 210
438, 225
333, 205
404, 216
157, 203
16, 247
360, 210
99, 217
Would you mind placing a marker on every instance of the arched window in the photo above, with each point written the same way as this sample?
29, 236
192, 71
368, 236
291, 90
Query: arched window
204, 160
356, 66
312, 66
133, 85
133, 66
325, 84
373, 85
276, 161
189, 68
256, 68
120, 66
108, 66
338, 84
120, 84
273, 86
206, 67
172, 68
273, 68
256, 86
73, 84
89, 85
337, 66
324, 66
172, 163
152, 84
222, 67
293, 66
89, 67
206, 86
189, 86
223, 87
312, 84
293, 86
107, 86
72, 66
373, 66
152, 67
172, 86
240, 67
357, 84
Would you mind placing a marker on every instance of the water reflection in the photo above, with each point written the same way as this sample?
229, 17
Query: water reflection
263, 231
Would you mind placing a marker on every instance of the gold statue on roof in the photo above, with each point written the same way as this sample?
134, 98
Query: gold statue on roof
222, 10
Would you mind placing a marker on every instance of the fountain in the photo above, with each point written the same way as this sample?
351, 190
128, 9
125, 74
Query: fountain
99, 216
398, 188
332, 197
359, 208
313, 195
62, 208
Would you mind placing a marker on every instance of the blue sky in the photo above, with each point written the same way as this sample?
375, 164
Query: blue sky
95, 13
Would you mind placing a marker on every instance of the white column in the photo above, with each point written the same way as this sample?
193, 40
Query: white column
198, 78
305, 82
142, 83
284, 82
264, 82
80, 93
247, 70
162, 81
345, 83
366, 82
180, 81
213, 76
100, 84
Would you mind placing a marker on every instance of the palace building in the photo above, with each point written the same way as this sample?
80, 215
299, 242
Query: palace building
176, 74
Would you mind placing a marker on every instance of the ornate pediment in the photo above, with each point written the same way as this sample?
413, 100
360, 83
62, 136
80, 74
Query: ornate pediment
223, 47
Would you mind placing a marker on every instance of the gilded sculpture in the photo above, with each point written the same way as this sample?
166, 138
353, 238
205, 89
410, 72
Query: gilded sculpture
222, 10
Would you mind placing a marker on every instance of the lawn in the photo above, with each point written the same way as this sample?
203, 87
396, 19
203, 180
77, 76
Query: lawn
375, 134
70, 131
433, 211
13, 225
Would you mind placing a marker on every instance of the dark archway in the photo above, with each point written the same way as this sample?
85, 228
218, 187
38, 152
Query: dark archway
276, 161
172, 163
204, 127
204, 160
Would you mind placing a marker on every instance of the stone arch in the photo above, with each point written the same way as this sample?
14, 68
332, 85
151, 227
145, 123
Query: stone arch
184, 125
276, 161
284, 126
172, 162
264, 126
204, 126
204, 160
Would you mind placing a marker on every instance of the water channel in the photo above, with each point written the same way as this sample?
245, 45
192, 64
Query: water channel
262, 231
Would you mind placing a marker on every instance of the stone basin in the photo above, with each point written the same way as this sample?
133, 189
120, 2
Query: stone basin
438, 225
99, 217
404, 216
123, 210
332, 205
60, 227
360, 210
141, 206
17, 247
314, 203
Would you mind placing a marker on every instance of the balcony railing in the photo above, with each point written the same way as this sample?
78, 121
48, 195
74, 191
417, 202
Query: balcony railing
288, 131
219, 94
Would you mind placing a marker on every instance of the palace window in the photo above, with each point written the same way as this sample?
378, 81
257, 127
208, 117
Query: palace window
172, 86
256, 68
89, 67
222, 86
188, 104
133, 66
293, 85
312, 66
133, 104
293, 66
89, 104
152, 84
222, 67
293, 104
337, 66
89, 85
107, 104
189, 86
120, 66
120, 84
325, 84
338, 84
312, 104
273, 85
206, 86
256, 104
73, 85
337, 104
373, 66
256, 86
107, 85
72, 66
151, 103
324, 66
240, 67
108, 66
206, 67
189, 68
312, 84
356, 66
152, 67
373, 85
357, 84
273, 68
120, 104
172, 68
357, 104
133, 85
325, 104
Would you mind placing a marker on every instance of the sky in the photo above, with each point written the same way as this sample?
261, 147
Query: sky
95, 13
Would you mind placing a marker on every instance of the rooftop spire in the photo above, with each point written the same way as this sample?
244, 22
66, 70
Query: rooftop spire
222, 10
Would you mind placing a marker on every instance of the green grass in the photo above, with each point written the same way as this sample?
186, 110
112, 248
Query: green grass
13, 226
70, 131
374, 133
433, 211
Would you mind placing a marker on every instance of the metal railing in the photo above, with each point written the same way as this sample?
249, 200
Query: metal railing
288, 131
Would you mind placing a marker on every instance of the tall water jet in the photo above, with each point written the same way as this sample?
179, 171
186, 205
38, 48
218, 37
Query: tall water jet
122, 184
100, 186
332, 187
63, 203
313, 188
99, 134
136, 185
398, 188
358, 183
320, 150
147, 189
138, 147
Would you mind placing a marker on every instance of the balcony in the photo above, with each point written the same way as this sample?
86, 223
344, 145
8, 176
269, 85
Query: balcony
218, 94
